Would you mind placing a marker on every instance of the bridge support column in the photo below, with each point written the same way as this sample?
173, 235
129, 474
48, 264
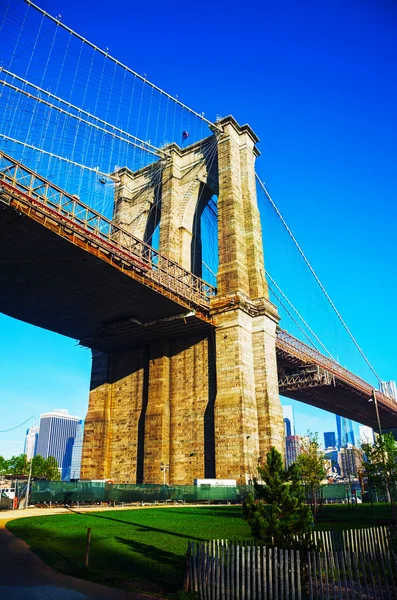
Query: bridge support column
96, 446
152, 407
248, 415
137, 202
113, 427
157, 420
198, 408
270, 413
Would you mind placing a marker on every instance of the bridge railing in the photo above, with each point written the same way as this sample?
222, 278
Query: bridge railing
71, 210
291, 345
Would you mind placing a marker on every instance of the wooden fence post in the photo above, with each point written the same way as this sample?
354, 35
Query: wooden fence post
87, 547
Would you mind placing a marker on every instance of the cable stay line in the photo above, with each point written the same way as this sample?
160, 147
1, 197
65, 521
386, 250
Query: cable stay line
20, 425
299, 315
71, 162
141, 144
293, 318
106, 54
317, 278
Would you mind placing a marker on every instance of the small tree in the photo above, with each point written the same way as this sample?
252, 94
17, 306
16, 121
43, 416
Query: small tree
18, 465
50, 470
280, 516
38, 466
381, 467
3, 466
311, 465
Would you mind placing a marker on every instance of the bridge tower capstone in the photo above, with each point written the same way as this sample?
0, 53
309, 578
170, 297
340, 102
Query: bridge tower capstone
208, 405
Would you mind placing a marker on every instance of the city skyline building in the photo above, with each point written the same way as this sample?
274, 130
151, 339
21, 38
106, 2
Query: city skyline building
289, 424
329, 439
31, 439
345, 432
292, 449
349, 460
366, 435
56, 438
389, 388
332, 455
75, 466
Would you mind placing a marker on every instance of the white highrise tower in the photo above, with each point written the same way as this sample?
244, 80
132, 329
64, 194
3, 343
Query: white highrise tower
389, 388
31, 438
366, 435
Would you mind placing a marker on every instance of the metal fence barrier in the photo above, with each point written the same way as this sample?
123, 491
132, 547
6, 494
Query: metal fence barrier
44, 492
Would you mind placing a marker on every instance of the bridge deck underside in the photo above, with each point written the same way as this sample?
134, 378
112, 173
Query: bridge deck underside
340, 398
49, 282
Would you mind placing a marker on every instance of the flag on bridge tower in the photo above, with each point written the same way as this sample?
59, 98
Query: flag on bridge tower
185, 135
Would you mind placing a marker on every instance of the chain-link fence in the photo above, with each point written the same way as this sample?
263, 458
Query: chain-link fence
60, 492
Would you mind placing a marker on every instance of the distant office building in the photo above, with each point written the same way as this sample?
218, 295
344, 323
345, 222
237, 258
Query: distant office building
350, 460
289, 425
389, 388
56, 438
77, 452
366, 435
31, 438
332, 456
345, 432
329, 439
292, 449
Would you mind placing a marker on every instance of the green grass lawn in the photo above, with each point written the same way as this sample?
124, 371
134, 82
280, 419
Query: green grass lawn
144, 550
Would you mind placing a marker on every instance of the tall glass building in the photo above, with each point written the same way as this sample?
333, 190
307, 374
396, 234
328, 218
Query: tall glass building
31, 439
56, 438
289, 425
77, 452
345, 431
329, 439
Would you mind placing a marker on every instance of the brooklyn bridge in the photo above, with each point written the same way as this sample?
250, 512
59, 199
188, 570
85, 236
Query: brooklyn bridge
106, 237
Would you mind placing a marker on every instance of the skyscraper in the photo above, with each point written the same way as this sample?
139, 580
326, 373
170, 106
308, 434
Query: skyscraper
292, 449
345, 432
77, 451
366, 435
56, 438
329, 439
389, 388
289, 425
31, 438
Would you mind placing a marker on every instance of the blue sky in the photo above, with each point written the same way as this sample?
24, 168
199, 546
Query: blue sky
317, 81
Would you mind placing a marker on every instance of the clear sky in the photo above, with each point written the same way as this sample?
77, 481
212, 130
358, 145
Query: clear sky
317, 81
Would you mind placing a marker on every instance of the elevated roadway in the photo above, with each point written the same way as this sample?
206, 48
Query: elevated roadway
66, 268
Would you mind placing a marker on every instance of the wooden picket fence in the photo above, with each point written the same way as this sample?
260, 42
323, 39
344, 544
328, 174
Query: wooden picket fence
222, 570
372, 539
349, 565
352, 575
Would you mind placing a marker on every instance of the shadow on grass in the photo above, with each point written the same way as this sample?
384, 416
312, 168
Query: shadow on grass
153, 553
141, 527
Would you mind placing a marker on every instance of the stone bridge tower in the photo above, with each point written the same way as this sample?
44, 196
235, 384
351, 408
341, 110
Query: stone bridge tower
205, 406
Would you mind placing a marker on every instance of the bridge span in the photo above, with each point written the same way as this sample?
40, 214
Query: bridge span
99, 283
187, 375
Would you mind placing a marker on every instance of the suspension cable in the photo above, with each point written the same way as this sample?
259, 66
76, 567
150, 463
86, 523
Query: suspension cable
120, 64
298, 314
16, 427
71, 162
316, 277
141, 144
135, 142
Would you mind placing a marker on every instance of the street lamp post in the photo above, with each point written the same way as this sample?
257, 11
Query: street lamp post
30, 476
164, 468
377, 411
